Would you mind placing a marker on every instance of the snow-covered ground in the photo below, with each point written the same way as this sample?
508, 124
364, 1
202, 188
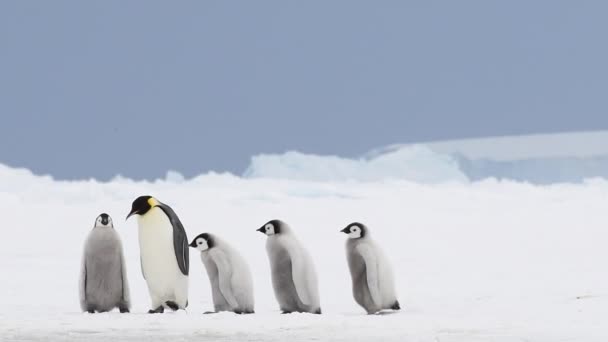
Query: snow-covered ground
480, 261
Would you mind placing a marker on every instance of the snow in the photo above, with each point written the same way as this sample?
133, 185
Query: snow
539, 159
415, 163
524, 147
474, 261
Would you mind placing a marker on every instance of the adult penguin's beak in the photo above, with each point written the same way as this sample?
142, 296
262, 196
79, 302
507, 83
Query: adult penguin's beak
133, 212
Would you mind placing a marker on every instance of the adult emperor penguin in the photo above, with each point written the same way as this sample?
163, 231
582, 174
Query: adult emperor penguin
103, 276
371, 273
229, 275
294, 278
164, 255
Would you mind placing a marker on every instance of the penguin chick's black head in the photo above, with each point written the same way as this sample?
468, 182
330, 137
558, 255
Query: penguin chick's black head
355, 230
142, 205
203, 241
103, 220
271, 227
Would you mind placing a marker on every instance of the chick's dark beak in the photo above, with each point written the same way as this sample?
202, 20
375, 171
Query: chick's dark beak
192, 244
261, 230
345, 230
104, 221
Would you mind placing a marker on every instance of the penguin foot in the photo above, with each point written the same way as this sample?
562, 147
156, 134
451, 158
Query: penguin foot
285, 312
91, 311
159, 309
123, 310
172, 305
318, 312
209, 312
244, 312
396, 306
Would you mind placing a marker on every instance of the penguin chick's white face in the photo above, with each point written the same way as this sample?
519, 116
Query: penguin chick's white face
103, 220
354, 230
202, 242
271, 228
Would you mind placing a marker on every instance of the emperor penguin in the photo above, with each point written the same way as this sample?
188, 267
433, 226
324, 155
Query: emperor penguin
164, 254
371, 273
229, 274
294, 278
103, 276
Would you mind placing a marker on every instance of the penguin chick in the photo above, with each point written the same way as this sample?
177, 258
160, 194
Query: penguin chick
371, 273
294, 278
229, 274
103, 276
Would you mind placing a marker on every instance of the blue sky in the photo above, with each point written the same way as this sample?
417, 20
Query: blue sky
98, 88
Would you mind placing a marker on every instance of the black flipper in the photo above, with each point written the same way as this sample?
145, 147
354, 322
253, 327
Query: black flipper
180, 239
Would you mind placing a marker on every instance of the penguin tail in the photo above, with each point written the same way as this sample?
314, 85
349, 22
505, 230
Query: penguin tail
396, 306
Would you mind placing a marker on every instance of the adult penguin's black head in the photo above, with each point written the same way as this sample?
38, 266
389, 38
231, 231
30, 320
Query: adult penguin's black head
142, 205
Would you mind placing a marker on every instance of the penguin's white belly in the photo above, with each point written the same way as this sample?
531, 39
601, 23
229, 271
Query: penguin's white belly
159, 263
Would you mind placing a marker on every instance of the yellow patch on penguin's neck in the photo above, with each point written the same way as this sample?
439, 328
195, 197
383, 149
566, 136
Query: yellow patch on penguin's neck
152, 202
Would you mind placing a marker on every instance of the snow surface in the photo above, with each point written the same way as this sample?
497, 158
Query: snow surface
481, 261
